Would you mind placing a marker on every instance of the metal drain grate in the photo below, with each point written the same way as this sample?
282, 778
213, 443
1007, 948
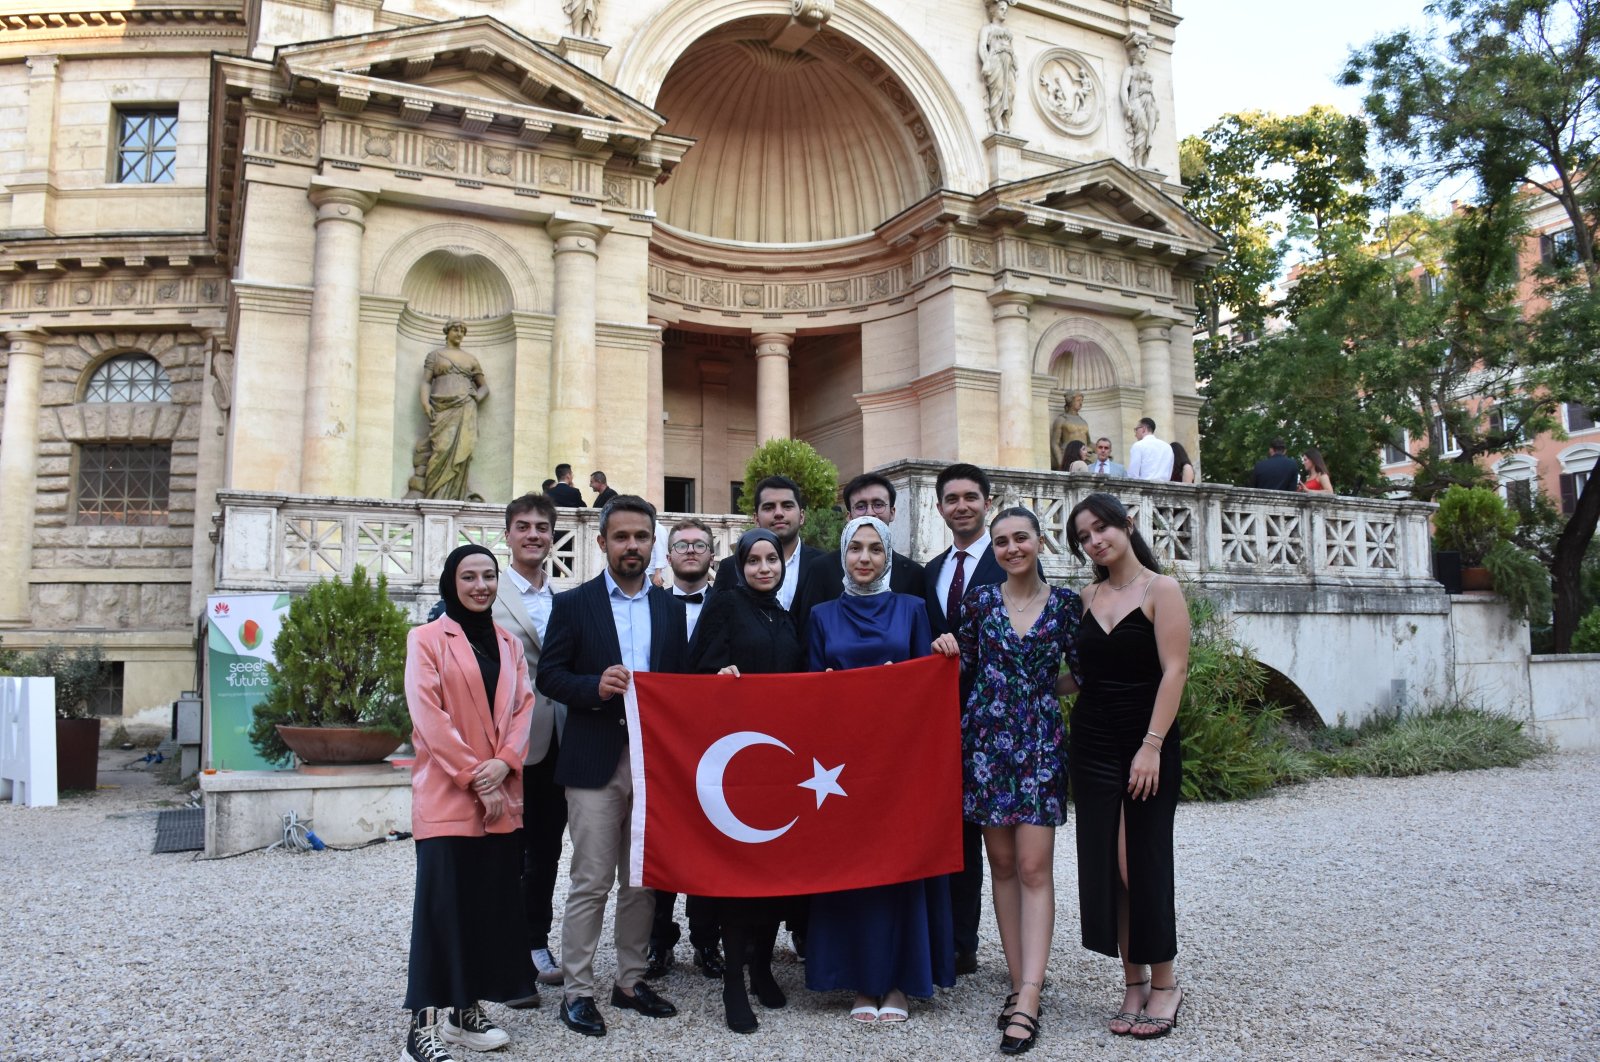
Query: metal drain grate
183, 830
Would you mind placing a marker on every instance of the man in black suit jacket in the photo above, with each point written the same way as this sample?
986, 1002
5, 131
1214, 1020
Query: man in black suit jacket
870, 494
602, 493
810, 576
562, 492
599, 634
1276, 471
963, 500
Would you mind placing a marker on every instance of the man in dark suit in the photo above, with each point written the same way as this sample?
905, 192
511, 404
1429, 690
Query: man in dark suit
963, 494
809, 576
522, 606
602, 493
600, 634
870, 494
562, 492
1276, 471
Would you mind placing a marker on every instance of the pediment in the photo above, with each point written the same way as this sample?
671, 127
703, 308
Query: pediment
1104, 195
475, 70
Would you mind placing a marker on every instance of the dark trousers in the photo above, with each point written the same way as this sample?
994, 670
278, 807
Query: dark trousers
704, 928
966, 889
544, 818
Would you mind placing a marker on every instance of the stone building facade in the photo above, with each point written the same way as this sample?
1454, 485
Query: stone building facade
232, 230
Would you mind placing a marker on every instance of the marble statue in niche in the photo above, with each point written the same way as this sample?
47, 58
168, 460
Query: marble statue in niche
1140, 111
997, 59
584, 15
453, 385
1065, 427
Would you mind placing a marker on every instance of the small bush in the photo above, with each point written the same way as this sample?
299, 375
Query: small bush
1586, 639
1470, 521
1443, 738
1521, 580
78, 673
817, 477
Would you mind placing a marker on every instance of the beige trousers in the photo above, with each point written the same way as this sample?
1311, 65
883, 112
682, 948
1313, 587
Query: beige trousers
599, 820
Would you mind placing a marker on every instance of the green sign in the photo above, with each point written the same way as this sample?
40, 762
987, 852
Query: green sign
240, 631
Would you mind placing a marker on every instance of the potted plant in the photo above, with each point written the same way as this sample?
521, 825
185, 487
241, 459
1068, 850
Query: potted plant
1472, 521
336, 691
78, 674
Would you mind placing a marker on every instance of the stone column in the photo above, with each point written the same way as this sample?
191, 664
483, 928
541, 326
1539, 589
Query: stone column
655, 454
19, 456
573, 422
1014, 357
216, 400
772, 386
1155, 359
328, 445
33, 187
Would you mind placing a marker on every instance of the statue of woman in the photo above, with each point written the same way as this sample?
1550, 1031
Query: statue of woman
1067, 426
452, 386
1139, 109
998, 62
584, 16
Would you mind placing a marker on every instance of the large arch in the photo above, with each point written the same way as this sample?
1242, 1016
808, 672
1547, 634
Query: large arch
677, 26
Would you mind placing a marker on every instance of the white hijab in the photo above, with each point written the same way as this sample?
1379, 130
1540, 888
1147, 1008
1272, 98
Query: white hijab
880, 585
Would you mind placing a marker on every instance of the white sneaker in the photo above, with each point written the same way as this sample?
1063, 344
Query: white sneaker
472, 1029
548, 969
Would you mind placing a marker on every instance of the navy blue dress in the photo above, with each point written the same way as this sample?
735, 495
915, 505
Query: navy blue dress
889, 936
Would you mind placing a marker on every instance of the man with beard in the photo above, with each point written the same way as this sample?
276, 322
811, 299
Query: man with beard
689, 549
601, 633
809, 576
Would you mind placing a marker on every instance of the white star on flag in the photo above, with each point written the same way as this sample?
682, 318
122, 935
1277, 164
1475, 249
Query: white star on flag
824, 781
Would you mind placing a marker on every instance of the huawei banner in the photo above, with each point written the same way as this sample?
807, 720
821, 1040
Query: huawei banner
780, 785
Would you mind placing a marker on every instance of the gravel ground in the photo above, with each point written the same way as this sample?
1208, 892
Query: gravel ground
1447, 916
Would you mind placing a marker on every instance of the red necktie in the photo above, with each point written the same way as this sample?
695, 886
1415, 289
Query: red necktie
958, 586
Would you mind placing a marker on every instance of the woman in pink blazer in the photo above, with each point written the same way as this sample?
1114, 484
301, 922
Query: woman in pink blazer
467, 687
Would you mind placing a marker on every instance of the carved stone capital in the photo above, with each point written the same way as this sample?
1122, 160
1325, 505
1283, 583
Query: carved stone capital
338, 203
1010, 304
572, 235
774, 345
28, 343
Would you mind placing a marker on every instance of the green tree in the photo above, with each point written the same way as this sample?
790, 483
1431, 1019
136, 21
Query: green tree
817, 477
1506, 93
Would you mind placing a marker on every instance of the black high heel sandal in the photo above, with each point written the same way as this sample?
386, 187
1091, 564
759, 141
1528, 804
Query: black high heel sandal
1004, 1017
1017, 1045
1163, 1025
1128, 1018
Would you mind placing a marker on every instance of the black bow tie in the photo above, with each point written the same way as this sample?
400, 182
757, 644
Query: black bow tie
693, 599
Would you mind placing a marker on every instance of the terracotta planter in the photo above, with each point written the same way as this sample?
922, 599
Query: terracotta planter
1476, 579
337, 745
77, 754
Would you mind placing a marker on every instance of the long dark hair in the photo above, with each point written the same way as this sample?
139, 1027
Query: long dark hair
1108, 509
1074, 452
1180, 457
1320, 466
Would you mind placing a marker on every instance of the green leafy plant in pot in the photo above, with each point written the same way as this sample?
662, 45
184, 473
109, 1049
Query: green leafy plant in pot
1472, 521
337, 686
78, 673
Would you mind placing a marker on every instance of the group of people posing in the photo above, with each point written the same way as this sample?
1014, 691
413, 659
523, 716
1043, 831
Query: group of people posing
520, 733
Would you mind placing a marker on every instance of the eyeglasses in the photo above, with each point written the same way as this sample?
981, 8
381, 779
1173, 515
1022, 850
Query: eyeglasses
876, 505
684, 548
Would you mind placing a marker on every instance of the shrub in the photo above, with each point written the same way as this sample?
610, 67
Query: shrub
817, 477
1520, 579
340, 661
1586, 639
1452, 737
1470, 521
78, 673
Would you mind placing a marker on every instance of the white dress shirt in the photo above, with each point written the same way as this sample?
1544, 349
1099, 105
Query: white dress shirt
538, 602
947, 572
791, 579
632, 618
691, 609
1150, 458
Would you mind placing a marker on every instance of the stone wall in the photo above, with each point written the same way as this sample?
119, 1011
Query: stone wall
1566, 706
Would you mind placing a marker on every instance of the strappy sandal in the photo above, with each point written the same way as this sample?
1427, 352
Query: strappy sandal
1017, 1045
1126, 1017
1004, 1016
1162, 1025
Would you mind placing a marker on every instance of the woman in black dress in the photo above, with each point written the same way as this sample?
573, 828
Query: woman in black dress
1125, 762
745, 630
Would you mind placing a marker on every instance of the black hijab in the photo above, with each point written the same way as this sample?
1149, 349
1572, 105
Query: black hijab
479, 626
766, 599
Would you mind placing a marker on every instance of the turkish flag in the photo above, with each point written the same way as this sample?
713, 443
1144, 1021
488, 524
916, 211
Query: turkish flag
780, 785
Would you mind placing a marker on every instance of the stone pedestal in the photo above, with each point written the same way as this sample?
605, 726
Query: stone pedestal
245, 809
1004, 153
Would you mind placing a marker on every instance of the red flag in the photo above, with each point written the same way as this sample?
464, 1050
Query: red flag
779, 785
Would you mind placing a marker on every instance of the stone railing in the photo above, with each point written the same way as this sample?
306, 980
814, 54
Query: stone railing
276, 542
1208, 532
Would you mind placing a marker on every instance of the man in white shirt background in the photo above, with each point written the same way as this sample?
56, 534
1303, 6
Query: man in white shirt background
1150, 457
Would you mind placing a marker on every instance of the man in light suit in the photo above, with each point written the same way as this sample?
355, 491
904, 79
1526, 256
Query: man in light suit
1102, 465
600, 634
963, 493
522, 606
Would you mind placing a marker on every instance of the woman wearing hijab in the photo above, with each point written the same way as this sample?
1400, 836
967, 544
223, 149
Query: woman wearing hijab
890, 941
467, 688
746, 630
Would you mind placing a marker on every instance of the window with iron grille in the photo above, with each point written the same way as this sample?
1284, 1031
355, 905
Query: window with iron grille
1579, 418
121, 484
129, 378
147, 145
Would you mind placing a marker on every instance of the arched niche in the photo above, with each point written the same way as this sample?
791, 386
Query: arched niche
470, 247
1081, 354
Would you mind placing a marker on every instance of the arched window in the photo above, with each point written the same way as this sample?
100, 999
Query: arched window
1519, 477
1577, 464
129, 378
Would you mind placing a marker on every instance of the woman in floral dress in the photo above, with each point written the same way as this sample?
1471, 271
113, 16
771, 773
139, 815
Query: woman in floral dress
1012, 638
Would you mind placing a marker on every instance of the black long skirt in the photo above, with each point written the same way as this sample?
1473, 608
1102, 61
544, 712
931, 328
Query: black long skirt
468, 929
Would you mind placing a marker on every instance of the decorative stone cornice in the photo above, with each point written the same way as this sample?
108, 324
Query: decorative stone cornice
67, 21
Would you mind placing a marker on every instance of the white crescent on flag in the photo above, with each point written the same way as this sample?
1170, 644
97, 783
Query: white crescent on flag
714, 800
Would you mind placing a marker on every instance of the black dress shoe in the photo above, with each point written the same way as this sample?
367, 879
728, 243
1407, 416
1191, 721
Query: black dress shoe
526, 1002
966, 963
582, 1016
659, 961
709, 961
644, 1000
